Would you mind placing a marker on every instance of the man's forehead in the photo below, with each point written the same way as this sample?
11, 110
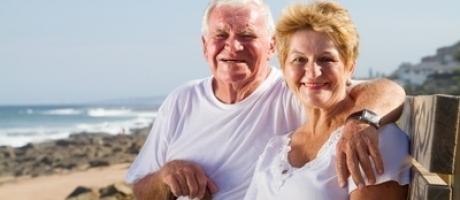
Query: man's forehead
236, 27
243, 18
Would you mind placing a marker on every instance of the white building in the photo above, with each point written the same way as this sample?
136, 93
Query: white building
443, 62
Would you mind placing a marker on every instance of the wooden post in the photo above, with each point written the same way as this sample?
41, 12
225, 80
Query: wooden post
456, 176
432, 122
426, 185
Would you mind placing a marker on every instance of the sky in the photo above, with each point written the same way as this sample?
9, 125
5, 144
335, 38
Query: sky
74, 51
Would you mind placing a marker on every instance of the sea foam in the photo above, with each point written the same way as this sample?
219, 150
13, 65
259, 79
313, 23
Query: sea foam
22, 135
64, 111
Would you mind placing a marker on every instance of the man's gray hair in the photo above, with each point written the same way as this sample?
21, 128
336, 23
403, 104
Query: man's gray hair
215, 3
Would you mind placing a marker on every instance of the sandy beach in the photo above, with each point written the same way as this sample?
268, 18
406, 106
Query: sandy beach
57, 187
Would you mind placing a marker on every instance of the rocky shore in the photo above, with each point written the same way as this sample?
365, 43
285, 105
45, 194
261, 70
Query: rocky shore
79, 152
116, 191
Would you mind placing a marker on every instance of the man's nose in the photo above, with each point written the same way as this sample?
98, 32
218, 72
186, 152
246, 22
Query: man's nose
233, 44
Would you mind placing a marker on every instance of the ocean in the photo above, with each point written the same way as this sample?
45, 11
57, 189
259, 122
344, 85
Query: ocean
20, 125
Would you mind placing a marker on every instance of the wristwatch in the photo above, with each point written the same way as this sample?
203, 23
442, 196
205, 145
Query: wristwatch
367, 117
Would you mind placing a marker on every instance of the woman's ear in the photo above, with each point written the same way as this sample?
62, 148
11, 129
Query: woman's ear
350, 73
352, 68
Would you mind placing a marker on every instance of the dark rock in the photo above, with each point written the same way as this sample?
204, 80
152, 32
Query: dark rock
46, 160
25, 159
117, 149
7, 152
22, 171
28, 146
123, 188
107, 145
64, 143
98, 163
83, 193
108, 191
66, 165
117, 191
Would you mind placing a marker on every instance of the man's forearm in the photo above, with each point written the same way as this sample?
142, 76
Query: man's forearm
382, 96
151, 187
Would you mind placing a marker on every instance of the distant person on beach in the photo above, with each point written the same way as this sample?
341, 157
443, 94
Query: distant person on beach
209, 132
318, 43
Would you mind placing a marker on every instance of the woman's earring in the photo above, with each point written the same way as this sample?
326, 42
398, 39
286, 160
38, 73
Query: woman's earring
348, 82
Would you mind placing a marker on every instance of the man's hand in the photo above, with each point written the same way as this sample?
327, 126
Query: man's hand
359, 142
186, 178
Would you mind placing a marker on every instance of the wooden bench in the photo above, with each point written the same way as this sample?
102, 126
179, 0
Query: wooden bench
432, 123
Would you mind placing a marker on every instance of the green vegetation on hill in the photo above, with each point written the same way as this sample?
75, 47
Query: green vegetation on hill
446, 83
439, 83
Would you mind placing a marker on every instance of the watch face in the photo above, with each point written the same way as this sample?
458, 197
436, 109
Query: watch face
366, 116
371, 116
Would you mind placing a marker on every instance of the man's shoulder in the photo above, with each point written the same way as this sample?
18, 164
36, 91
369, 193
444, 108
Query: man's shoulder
197, 87
191, 86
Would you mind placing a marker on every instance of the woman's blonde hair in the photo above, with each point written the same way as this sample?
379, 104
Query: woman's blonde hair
321, 16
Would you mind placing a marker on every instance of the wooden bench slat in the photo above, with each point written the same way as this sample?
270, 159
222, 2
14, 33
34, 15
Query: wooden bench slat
433, 129
455, 179
430, 178
427, 185
419, 189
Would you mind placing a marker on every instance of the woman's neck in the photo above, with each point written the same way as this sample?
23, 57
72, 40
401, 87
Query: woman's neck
325, 120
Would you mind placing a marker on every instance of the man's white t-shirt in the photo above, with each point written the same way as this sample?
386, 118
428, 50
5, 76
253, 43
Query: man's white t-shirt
225, 139
275, 179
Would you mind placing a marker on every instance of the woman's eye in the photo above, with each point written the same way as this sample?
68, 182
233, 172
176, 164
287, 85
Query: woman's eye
298, 60
326, 59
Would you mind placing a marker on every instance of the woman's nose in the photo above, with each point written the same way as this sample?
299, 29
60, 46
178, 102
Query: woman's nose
312, 70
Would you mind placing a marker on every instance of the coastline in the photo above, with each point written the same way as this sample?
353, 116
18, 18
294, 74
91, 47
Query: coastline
57, 167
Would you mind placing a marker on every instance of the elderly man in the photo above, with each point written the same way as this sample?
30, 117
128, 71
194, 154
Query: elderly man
210, 132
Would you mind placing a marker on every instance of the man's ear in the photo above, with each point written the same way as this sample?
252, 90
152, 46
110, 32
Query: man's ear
272, 47
203, 45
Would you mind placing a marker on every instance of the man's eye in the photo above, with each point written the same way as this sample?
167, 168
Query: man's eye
248, 36
220, 36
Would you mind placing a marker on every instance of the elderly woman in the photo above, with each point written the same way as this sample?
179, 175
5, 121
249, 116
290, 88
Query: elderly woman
318, 47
